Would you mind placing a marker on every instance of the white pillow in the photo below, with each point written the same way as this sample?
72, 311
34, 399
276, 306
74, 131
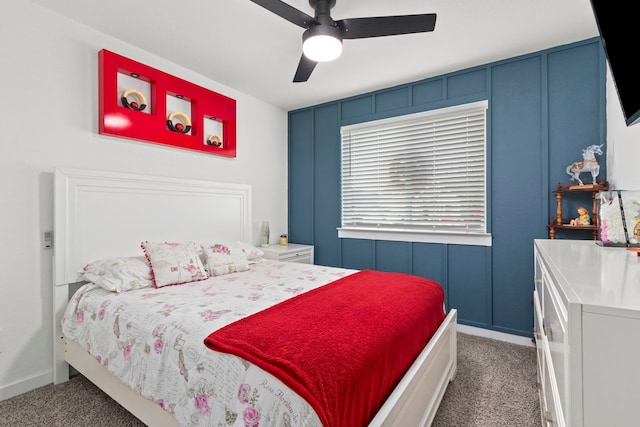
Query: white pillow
119, 274
249, 250
173, 263
222, 258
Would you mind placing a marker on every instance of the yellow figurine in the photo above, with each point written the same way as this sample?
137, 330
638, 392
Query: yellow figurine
583, 219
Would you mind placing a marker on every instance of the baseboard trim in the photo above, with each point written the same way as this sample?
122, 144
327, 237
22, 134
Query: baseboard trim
28, 384
500, 336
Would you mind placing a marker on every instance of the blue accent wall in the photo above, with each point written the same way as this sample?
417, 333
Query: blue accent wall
544, 108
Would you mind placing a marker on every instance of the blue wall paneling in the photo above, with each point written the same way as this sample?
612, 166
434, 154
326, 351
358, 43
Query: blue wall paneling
301, 162
517, 215
544, 108
326, 185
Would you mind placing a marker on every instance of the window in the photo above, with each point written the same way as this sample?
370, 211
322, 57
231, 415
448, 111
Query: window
417, 175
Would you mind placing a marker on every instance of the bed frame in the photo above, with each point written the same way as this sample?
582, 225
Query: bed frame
100, 214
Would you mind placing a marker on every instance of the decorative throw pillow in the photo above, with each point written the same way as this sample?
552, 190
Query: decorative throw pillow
173, 263
249, 250
222, 258
197, 248
119, 274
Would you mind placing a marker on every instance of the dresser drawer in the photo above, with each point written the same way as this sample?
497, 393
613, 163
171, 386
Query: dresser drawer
537, 335
554, 328
551, 409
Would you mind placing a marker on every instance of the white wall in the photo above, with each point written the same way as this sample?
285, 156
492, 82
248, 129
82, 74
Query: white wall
48, 112
623, 145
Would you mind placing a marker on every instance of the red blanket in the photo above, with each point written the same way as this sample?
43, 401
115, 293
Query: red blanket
343, 347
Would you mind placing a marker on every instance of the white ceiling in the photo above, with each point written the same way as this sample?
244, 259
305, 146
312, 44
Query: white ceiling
244, 46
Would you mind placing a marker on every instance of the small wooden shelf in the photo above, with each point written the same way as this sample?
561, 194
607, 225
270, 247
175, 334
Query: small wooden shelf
566, 189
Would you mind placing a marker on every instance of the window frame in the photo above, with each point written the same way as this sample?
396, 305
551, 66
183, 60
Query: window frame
424, 236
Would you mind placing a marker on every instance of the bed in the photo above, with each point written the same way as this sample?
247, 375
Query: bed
101, 215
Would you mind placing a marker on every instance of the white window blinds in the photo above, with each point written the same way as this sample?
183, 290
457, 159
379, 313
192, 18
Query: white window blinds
422, 172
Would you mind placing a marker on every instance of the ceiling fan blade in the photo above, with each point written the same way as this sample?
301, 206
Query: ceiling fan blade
305, 67
286, 11
359, 28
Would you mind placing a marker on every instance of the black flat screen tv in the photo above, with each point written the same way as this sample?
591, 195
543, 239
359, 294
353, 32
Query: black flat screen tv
619, 33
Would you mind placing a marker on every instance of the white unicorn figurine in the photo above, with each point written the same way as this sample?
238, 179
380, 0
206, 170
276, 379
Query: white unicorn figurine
588, 164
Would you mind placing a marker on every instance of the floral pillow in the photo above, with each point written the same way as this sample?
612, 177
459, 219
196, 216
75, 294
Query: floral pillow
173, 263
119, 274
249, 250
222, 258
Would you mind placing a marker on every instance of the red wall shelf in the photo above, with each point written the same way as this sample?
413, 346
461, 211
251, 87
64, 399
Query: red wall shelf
212, 116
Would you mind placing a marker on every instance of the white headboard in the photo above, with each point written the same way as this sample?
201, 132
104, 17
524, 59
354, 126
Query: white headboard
100, 214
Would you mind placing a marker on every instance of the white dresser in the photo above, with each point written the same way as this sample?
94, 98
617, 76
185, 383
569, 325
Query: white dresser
587, 332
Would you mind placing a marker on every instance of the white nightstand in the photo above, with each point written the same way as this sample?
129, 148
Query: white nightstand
292, 252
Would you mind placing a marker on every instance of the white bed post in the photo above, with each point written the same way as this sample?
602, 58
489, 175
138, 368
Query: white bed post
60, 288
60, 367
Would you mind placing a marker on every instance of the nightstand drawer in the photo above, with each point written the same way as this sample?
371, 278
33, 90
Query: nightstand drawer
291, 253
302, 256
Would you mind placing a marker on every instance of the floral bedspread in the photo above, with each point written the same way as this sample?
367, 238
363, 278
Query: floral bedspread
153, 340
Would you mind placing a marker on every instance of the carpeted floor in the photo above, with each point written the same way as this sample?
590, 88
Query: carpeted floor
495, 385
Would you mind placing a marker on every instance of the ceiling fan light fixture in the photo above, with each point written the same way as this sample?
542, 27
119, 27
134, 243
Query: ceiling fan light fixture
322, 39
322, 43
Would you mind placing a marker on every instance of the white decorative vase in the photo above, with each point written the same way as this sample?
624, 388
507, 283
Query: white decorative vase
264, 234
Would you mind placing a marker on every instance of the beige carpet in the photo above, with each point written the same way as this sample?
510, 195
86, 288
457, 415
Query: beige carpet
495, 385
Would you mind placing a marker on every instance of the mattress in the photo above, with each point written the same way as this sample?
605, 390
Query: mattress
153, 341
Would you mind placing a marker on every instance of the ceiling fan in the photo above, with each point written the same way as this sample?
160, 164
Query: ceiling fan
322, 40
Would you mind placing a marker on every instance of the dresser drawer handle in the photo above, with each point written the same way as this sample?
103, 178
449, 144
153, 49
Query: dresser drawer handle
548, 418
